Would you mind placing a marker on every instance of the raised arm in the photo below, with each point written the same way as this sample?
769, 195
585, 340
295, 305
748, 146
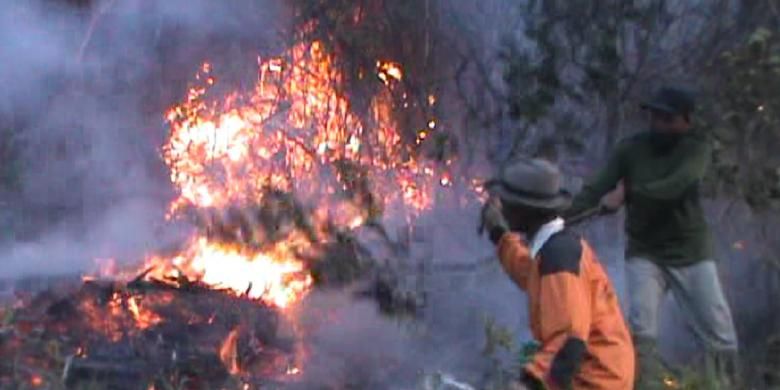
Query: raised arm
515, 258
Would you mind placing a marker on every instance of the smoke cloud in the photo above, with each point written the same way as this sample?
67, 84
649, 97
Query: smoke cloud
85, 87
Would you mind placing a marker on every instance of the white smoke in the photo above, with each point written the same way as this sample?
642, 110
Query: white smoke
85, 89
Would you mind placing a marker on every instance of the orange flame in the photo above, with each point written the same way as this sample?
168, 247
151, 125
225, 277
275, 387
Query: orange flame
275, 277
287, 134
228, 352
144, 318
387, 71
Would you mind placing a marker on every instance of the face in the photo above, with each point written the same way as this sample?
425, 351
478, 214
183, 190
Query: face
522, 218
668, 123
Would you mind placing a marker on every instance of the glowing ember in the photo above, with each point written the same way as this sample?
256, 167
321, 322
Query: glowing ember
421, 136
228, 352
387, 71
671, 383
144, 318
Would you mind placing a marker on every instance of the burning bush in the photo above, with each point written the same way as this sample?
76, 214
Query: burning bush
277, 179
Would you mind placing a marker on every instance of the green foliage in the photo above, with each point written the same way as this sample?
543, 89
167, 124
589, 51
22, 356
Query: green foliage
532, 87
575, 56
590, 55
496, 337
690, 379
743, 111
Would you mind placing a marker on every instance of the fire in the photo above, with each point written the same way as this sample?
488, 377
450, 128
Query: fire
123, 313
228, 352
387, 71
293, 132
144, 318
274, 277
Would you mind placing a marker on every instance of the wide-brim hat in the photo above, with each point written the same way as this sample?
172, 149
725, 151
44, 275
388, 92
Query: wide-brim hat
530, 182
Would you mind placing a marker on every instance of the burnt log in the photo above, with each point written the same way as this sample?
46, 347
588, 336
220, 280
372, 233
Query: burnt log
340, 262
395, 294
196, 370
118, 374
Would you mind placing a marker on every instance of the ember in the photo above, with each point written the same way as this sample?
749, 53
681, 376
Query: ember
228, 352
276, 180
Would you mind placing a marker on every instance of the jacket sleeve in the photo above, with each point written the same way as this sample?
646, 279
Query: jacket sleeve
515, 258
598, 186
690, 171
565, 316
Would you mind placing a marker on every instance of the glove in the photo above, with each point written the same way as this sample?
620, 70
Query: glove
492, 220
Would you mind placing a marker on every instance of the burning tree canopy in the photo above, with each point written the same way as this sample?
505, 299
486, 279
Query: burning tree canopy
347, 126
274, 177
287, 163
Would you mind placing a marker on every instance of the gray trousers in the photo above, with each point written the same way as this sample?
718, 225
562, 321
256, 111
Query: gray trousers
697, 290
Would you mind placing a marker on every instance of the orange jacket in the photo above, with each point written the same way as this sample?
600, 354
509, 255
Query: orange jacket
574, 314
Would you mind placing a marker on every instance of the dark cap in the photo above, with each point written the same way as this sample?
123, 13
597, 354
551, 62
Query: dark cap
671, 100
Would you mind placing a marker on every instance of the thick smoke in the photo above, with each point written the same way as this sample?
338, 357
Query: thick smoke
84, 90
352, 342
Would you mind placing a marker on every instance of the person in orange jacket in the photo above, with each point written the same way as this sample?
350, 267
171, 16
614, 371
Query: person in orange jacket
573, 309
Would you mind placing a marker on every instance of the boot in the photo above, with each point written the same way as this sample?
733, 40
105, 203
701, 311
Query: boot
651, 373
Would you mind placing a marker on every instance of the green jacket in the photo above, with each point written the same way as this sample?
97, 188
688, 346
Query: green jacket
664, 218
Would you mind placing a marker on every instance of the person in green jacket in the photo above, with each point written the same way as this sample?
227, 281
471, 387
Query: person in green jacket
656, 175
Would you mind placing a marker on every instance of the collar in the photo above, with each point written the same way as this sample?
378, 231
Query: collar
544, 233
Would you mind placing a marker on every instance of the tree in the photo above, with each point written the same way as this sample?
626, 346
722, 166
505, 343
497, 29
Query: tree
743, 110
361, 34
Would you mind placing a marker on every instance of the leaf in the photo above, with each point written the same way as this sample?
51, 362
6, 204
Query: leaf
9, 318
724, 134
761, 35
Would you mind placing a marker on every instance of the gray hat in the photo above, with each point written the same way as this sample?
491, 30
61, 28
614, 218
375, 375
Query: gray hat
530, 182
671, 100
